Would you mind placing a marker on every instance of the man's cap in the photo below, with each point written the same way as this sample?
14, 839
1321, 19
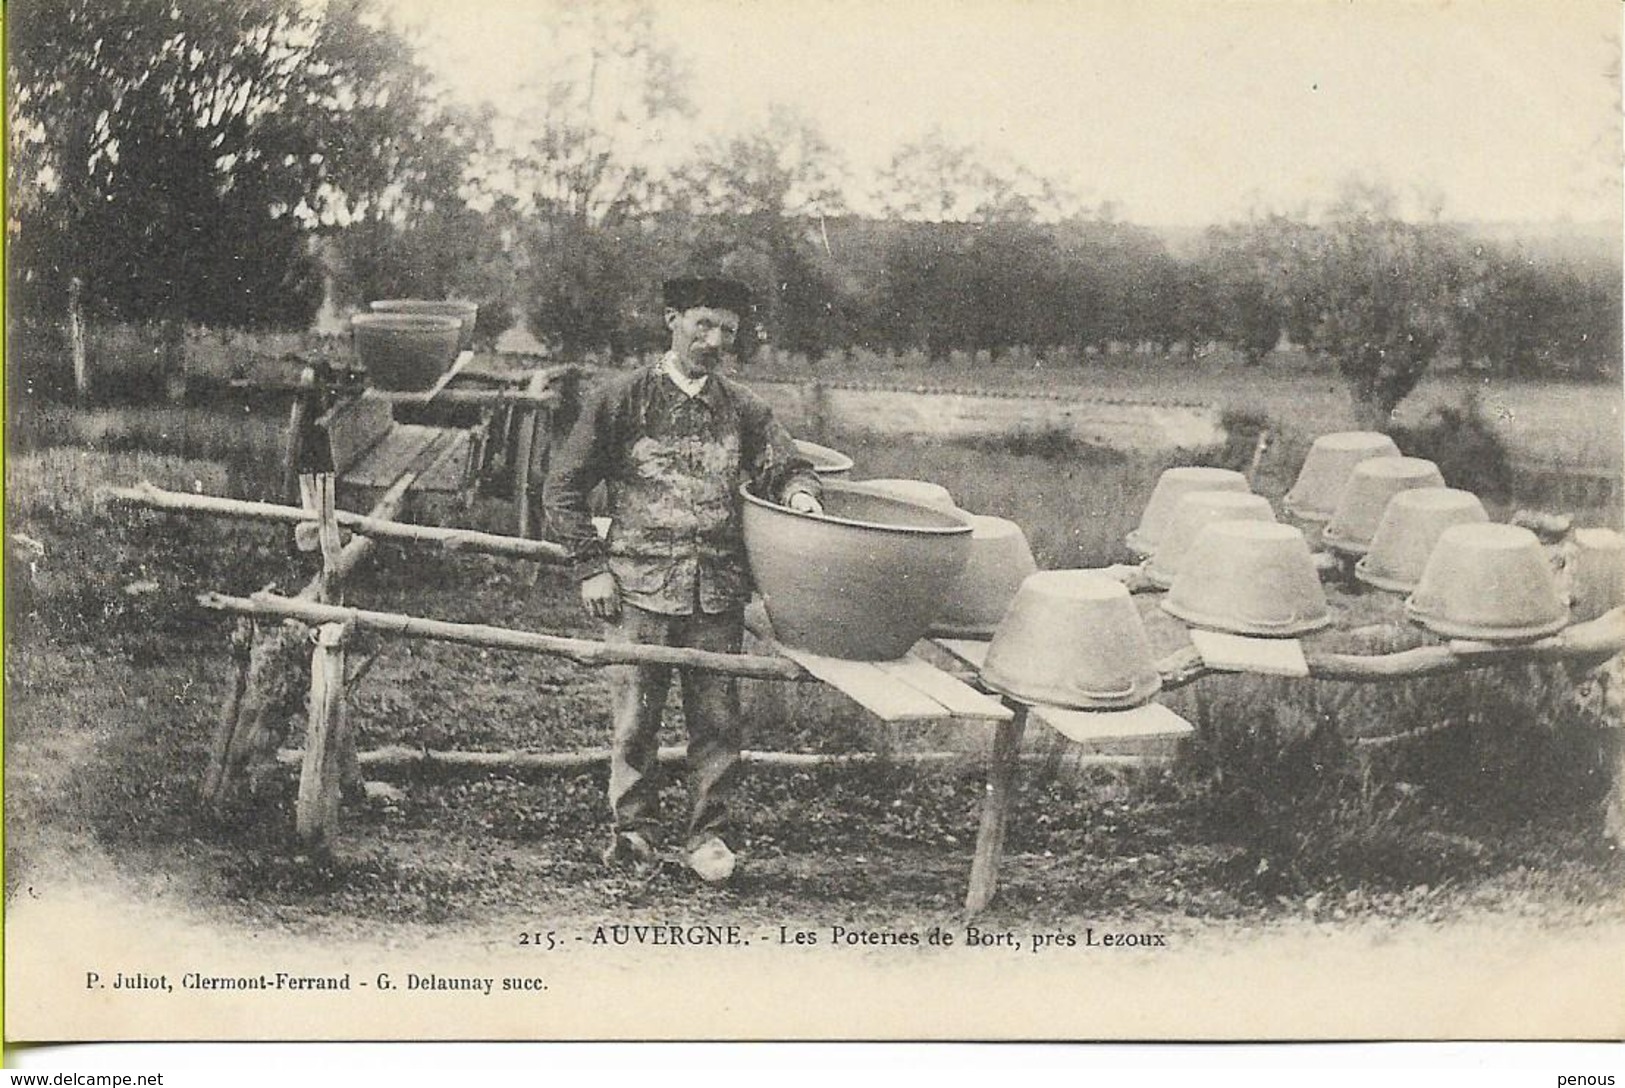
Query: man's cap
687, 292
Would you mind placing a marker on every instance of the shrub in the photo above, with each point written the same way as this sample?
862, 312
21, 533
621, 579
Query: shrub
1463, 443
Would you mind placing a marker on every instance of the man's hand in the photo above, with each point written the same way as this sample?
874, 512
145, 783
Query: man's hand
804, 502
600, 596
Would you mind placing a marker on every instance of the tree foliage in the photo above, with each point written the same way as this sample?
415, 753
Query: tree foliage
173, 154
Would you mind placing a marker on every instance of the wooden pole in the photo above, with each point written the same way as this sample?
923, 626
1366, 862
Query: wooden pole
320, 776
146, 495
582, 651
400, 760
76, 339
1003, 759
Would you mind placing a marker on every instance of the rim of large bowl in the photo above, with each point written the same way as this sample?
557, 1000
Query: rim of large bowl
405, 321
420, 305
836, 461
963, 528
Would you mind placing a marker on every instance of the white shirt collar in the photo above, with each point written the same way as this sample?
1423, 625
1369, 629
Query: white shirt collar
690, 386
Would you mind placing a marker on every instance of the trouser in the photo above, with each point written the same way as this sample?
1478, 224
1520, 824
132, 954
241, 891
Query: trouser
710, 708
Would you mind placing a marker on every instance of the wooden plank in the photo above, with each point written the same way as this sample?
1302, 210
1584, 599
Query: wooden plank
394, 454
972, 651
1238, 653
870, 687
355, 427
1149, 728
1003, 761
957, 697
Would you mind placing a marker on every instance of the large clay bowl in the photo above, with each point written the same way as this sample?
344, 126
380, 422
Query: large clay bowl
864, 579
1000, 560
1072, 638
405, 351
465, 312
1194, 512
1410, 527
1171, 486
1371, 485
1596, 573
1249, 578
825, 461
1488, 582
1331, 460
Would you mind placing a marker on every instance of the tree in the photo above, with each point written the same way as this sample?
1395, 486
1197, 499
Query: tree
936, 179
586, 177
757, 202
174, 155
1384, 293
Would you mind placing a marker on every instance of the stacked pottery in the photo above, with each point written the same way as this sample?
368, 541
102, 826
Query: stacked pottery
1332, 459
1488, 582
1072, 638
864, 579
1171, 486
1371, 485
825, 461
1595, 572
406, 352
465, 312
1192, 513
1249, 578
1410, 527
999, 561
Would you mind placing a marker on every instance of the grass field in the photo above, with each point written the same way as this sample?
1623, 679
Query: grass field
1274, 809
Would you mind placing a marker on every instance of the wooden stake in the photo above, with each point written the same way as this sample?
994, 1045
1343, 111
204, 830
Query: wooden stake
320, 776
1003, 760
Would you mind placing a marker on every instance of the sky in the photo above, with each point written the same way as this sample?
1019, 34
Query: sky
1176, 112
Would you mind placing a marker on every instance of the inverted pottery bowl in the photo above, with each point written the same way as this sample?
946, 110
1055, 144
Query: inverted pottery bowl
1194, 512
1171, 485
1072, 638
1488, 582
921, 491
464, 312
1249, 578
1596, 573
1000, 560
405, 351
825, 461
1411, 525
864, 579
1371, 485
1331, 460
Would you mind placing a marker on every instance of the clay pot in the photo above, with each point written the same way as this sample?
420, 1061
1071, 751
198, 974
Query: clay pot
1072, 638
920, 491
864, 579
1595, 573
1194, 512
404, 351
465, 312
1000, 559
1488, 582
1331, 460
1249, 578
1370, 486
825, 461
1410, 527
1171, 485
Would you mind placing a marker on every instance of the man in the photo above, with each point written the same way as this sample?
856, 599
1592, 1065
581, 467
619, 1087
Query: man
673, 443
